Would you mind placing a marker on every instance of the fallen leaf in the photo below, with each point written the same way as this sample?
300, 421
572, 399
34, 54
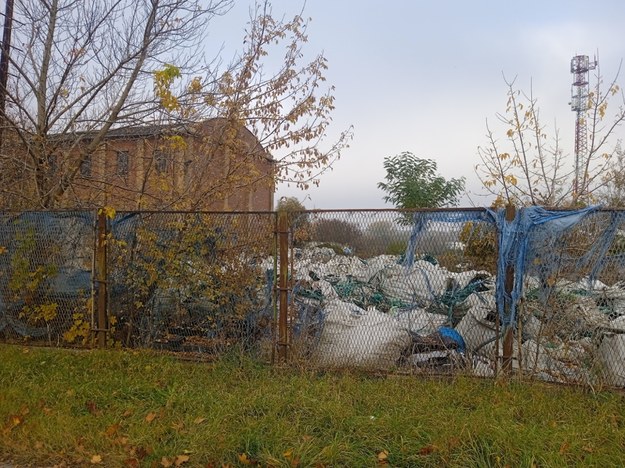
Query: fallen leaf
383, 457
199, 420
166, 462
111, 430
140, 452
564, 448
181, 459
288, 454
243, 458
127, 413
96, 459
93, 408
15, 420
150, 417
428, 449
131, 463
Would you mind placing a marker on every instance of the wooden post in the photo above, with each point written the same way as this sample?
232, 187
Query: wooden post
508, 339
283, 291
101, 277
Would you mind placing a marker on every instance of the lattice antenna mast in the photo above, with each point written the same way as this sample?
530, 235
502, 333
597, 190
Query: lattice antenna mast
580, 66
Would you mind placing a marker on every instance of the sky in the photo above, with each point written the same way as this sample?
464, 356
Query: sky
424, 77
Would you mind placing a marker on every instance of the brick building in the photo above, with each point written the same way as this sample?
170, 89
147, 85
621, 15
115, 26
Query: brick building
214, 165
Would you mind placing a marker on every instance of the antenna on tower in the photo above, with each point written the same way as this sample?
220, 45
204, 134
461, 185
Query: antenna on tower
580, 66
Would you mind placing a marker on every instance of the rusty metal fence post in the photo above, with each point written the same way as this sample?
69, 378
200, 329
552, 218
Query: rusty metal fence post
101, 279
283, 290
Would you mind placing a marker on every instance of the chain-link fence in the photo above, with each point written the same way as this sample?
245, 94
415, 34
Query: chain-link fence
390, 290
534, 292
46, 263
192, 282
571, 316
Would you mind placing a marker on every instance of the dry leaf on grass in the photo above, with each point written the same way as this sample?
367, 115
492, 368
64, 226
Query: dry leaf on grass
428, 449
111, 430
181, 459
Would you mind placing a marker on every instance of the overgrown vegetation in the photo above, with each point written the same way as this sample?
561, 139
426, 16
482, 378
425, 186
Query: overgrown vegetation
193, 275
116, 408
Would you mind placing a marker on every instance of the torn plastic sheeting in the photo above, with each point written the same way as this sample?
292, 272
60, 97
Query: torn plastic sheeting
419, 285
514, 242
419, 321
612, 357
478, 333
601, 247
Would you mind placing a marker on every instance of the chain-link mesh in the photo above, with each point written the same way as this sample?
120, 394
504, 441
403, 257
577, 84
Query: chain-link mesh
192, 282
46, 263
388, 290
423, 291
572, 318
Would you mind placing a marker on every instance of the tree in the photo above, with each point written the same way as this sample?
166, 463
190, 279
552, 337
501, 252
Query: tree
383, 237
298, 218
81, 69
85, 68
412, 182
337, 231
530, 167
613, 194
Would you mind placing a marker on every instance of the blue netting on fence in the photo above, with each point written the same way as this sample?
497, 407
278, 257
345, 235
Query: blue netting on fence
45, 271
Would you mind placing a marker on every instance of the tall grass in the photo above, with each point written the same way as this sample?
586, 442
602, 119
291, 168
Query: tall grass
124, 408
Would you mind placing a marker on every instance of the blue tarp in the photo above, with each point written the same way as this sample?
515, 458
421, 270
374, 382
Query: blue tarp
532, 227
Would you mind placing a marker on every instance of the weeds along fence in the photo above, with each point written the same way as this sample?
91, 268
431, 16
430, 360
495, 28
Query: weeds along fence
534, 292
175, 281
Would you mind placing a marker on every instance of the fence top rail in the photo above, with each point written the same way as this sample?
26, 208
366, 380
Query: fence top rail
391, 210
232, 213
319, 210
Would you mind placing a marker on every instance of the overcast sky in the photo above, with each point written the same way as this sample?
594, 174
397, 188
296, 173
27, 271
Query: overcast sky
423, 77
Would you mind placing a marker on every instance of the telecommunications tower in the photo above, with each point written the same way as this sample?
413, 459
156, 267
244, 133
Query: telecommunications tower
580, 66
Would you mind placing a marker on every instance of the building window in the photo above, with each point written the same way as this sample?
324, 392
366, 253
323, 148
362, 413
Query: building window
122, 163
161, 161
85, 166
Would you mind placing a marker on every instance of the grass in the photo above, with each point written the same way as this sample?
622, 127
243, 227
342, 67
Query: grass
124, 408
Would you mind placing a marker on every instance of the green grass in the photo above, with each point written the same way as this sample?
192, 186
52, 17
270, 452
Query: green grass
126, 408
